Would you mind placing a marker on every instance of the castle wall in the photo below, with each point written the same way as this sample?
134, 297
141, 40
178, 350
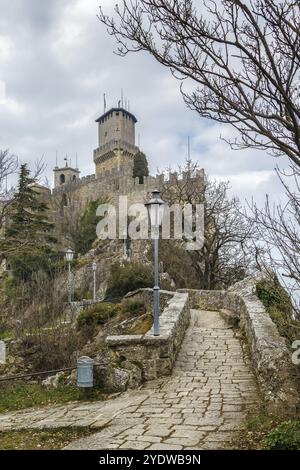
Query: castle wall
113, 183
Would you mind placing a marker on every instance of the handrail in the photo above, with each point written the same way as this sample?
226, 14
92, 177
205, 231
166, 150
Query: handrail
45, 372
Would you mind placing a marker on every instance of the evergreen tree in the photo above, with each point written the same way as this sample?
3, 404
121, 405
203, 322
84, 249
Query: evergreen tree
140, 167
27, 240
86, 233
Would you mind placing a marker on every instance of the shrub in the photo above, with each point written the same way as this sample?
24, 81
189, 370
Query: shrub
128, 277
133, 307
97, 314
272, 295
285, 437
278, 304
50, 349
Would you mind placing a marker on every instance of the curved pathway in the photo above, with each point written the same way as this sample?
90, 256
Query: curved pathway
198, 407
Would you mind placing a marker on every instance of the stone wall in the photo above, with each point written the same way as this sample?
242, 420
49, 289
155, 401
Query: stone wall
155, 355
269, 353
113, 183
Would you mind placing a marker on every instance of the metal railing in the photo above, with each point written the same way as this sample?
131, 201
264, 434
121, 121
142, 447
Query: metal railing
44, 372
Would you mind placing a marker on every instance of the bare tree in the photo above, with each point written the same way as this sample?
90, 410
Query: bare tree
278, 230
8, 166
39, 167
228, 254
243, 58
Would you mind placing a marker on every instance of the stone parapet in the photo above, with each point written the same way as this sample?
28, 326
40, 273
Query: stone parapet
155, 355
269, 353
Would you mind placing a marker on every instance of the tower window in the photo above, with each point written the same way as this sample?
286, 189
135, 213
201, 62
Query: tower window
62, 179
74, 177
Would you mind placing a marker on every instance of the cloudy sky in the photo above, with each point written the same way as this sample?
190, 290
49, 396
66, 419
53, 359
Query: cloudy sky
56, 61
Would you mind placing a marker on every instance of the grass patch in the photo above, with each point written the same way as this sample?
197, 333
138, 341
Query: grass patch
106, 314
7, 335
141, 325
40, 440
266, 431
286, 436
19, 397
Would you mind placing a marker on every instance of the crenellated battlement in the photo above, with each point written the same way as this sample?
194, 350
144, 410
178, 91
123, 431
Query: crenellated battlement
119, 181
114, 165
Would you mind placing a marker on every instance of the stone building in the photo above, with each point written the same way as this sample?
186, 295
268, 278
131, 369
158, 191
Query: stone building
65, 175
114, 162
116, 135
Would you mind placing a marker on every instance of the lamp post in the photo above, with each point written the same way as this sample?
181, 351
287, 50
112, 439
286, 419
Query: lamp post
94, 267
124, 236
155, 209
69, 258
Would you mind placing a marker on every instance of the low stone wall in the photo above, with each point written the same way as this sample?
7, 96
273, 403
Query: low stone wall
146, 294
155, 355
270, 355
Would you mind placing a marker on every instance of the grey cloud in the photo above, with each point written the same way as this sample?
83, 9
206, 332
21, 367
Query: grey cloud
60, 65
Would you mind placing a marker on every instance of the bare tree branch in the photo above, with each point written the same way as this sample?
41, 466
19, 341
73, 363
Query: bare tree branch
243, 58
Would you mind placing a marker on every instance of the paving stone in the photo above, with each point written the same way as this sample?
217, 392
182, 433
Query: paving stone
163, 446
188, 437
159, 431
135, 445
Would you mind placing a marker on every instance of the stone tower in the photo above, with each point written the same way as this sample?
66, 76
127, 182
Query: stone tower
116, 136
65, 175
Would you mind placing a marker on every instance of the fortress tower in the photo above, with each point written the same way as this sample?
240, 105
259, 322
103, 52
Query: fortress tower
116, 136
65, 175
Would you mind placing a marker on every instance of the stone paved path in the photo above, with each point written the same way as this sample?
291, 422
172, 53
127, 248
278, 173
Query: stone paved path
198, 407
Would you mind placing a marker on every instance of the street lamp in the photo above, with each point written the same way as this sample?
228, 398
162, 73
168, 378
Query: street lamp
155, 209
69, 258
124, 236
94, 267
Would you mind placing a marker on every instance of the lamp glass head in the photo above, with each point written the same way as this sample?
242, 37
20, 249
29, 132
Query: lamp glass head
69, 254
155, 209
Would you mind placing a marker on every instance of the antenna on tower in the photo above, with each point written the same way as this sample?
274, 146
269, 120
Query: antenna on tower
66, 160
76, 161
128, 105
139, 139
104, 102
56, 161
122, 97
